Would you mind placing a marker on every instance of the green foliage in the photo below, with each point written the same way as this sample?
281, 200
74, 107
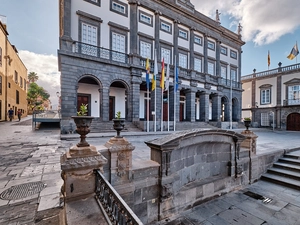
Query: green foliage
83, 110
32, 77
118, 115
36, 96
247, 119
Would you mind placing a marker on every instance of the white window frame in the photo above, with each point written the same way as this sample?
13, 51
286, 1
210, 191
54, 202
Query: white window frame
294, 95
211, 68
119, 46
198, 40
118, 7
166, 55
233, 54
183, 34
145, 49
233, 74
224, 72
183, 60
211, 45
145, 18
264, 119
166, 27
198, 65
223, 50
265, 96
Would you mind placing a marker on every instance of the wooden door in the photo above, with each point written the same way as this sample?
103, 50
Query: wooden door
293, 122
83, 99
181, 111
111, 107
165, 112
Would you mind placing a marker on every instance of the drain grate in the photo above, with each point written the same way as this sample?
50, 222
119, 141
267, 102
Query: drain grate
264, 199
22, 190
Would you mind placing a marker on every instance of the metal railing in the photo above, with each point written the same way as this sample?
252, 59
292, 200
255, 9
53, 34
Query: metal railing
39, 116
295, 101
230, 83
99, 52
113, 206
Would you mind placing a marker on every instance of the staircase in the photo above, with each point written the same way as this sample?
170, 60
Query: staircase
99, 126
286, 171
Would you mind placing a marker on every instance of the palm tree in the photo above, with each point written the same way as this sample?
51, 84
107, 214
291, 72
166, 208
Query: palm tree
32, 77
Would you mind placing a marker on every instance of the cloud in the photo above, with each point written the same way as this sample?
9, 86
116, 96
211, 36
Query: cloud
46, 67
263, 21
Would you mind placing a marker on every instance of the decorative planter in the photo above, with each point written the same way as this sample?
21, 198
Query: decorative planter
247, 124
118, 126
83, 124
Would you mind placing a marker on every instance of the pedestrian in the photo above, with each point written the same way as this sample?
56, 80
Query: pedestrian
10, 114
19, 114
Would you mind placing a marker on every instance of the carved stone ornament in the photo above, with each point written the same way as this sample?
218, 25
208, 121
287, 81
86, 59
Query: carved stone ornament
84, 162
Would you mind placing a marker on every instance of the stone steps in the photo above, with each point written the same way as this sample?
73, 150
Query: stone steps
286, 171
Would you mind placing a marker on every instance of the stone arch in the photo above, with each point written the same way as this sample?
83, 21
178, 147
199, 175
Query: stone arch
293, 121
225, 108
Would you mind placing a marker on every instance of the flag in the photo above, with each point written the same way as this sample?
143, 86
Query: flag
162, 79
155, 73
269, 59
147, 73
294, 52
167, 77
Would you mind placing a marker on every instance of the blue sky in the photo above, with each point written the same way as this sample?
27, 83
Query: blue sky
267, 25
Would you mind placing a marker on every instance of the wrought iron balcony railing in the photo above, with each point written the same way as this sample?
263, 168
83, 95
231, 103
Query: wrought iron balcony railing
295, 101
111, 203
99, 52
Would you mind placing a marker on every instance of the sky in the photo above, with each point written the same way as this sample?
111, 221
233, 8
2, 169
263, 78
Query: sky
272, 26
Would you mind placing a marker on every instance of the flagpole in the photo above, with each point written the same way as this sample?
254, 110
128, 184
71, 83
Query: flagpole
147, 109
155, 74
175, 71
162, 96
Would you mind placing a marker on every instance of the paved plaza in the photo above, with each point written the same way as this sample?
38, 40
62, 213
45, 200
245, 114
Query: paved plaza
28, 156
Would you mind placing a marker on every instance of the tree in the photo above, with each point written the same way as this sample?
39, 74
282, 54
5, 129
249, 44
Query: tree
36, 96
32, 77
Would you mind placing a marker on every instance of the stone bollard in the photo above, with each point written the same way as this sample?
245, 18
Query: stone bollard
78, 166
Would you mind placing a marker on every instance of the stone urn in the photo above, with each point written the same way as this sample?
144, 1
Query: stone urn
247, 124
83, 124
118, 126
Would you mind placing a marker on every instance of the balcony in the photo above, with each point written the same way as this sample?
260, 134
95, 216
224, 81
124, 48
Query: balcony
99, 52
290, 102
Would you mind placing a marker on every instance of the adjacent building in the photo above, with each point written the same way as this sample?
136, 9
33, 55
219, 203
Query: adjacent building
104, 46
13, 76
272, 98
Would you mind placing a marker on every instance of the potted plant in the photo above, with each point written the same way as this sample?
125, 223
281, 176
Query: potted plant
83, 123
118, 123
247, 122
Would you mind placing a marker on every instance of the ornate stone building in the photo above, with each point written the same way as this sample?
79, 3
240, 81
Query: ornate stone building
272, 98
103, 50
13, 76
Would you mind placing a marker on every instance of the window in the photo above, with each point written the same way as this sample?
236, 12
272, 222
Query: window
17, 97
211, 68
183, 60
118, 45
95, 2
183, 34
145, 50
265, 97
16, 77
89, 36
198, 40
224, 72
198, 65
223, 50
233, 54
211, 45
164, 26
118, 7
0, 85
166, 55
233, 74
0, 56
294, 95
145, 18
264, 119
21, 82
25, 84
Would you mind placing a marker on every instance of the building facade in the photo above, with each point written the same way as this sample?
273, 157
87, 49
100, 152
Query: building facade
103, 50
13, 77
272, 98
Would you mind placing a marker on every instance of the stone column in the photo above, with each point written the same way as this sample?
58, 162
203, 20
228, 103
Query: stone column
216, 107
192, 55
133, 27
218, 57
204, 107
190, 105
134, 103
205, 53
105, 103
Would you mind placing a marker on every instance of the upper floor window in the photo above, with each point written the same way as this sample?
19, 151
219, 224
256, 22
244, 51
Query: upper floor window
224, 72
198, 64
118, 7
17, 97
145, 18
145, 49
223, 50
89, 34
198, 40
119, 46
165, 26
233, 74
25, 84
183, 34
0, 56
16, 77
211, 68
183, 60
21, 82
166, 55
211, 45
233, 54
294, 95
96, 2
265, 97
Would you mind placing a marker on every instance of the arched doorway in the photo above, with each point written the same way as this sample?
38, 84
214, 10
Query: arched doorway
225, 109
235, 110
118, 100
88, 93
293, 122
